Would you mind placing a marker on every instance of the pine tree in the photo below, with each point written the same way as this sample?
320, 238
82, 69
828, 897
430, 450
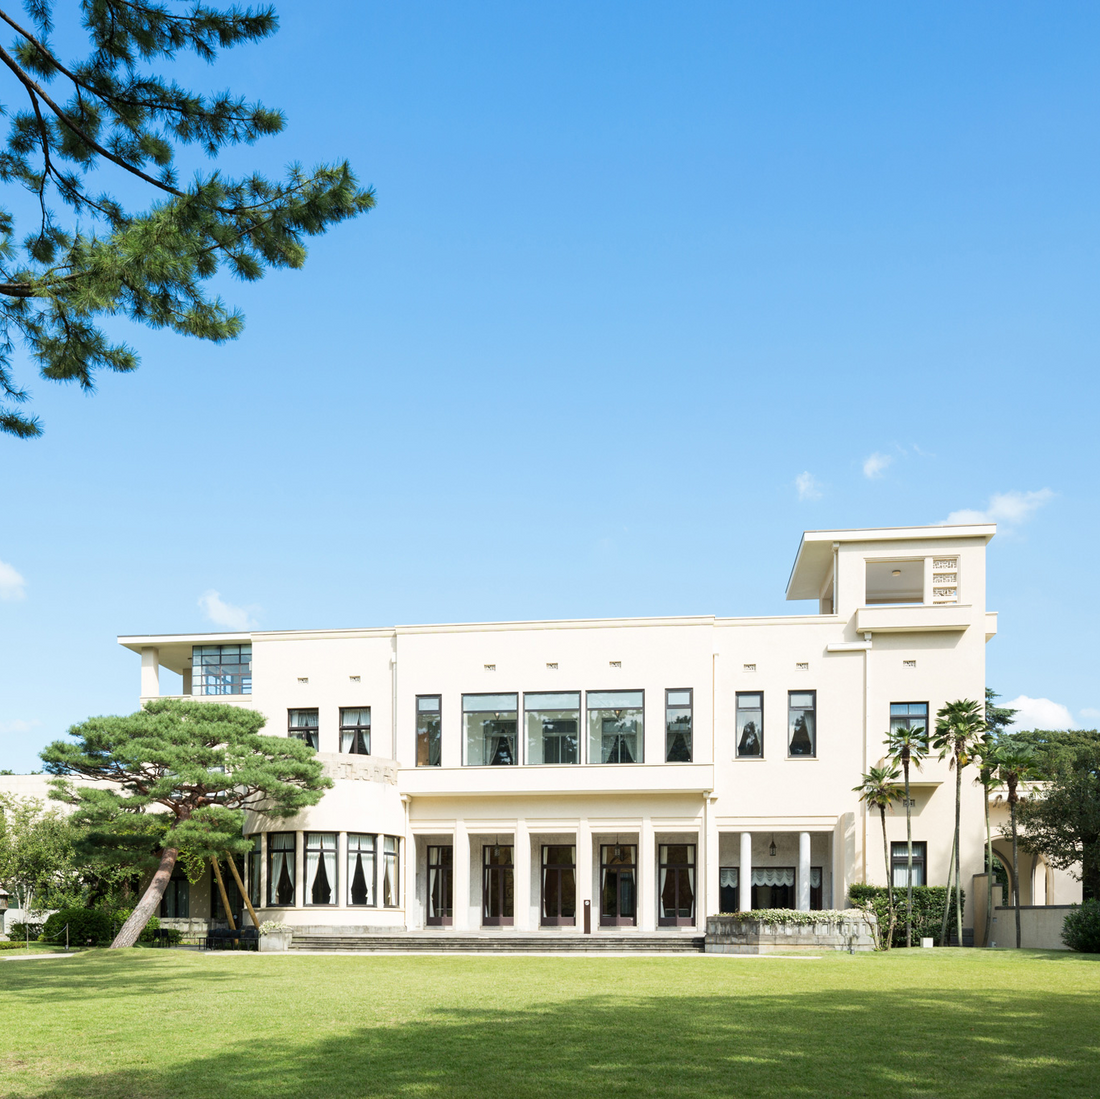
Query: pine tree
87, 256
177, 778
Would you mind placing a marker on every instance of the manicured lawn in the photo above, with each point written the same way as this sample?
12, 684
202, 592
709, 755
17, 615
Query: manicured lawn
148, 1024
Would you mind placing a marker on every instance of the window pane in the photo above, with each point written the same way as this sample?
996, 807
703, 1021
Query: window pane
429, 737
750, 725
281, 868
679, 698
482, 703
553, 734
428, 705
221, 669
615, 736
490, 738
360, 869
563, 700
678, 726
614, 699
802, 724
355, 717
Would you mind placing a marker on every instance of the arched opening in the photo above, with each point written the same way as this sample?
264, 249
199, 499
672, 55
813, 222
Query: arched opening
1002, 875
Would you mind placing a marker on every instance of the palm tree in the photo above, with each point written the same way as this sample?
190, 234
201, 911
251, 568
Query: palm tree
908, 747
878, 789
1015, 764
959, 727
986, 753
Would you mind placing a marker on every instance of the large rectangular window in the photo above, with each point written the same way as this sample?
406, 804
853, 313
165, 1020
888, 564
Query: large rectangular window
304, 725
899, 863
497, 886
429, 736
355, 731
750, 724
221, 669
909, 715
490, 724
440, 885
553, 727
618, 884
676, 884
559, 885
729, 895
321, 868
802, 723
391, 898
281, 851
615, 726
361, 869
678, 726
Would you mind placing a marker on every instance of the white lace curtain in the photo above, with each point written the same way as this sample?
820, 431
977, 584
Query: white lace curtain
780, 875
727, 877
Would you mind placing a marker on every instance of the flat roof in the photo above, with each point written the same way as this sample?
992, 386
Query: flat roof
815, 551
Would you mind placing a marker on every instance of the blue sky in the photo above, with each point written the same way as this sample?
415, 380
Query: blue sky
649, 290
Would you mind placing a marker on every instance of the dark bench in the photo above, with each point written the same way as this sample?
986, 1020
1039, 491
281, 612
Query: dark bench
222, 938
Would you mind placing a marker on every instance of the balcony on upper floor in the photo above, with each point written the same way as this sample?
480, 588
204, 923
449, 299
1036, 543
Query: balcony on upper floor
212, 668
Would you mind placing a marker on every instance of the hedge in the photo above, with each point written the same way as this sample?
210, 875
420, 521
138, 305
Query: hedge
788, 916
87, 927
1081, 928
928, 902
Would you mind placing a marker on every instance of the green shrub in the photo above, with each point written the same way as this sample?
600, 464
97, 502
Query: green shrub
15, 944
120, 915
87, 927
24, 931
928, 902
1081, 928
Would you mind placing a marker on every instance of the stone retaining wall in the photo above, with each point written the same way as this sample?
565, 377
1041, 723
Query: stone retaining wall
744, 934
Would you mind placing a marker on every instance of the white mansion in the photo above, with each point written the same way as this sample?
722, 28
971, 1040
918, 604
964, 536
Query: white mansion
612, 773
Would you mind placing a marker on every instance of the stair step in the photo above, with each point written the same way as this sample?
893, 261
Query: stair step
574, 944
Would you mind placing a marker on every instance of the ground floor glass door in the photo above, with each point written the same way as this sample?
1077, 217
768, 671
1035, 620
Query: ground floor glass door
440, 888
497, 887
559, 886
676, 884
618, 891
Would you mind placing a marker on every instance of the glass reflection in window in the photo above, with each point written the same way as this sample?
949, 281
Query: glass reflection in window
615, 726
553, 727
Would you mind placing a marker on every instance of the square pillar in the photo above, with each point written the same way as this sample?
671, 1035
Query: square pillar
461, 885
647, 877
150, 672
186, 688
710, 859
521, 876
586, 890
744, 873
803, 871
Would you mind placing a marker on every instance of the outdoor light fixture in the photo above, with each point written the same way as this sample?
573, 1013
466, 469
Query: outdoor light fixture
896, 572
771, 850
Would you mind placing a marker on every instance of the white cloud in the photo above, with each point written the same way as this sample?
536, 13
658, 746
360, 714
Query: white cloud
1090, 713
12, 585
808, 488
18, 726
875, 466
1004, 507
225, 614
1040, 713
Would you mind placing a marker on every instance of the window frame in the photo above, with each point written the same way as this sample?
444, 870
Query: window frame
301, 732
790, 731
427, 737
537, 710
737, 722
444, 868
691, 866
356, 732
516, 745
907, 718
334, 886
244, 686
272, 882
691, 722
900, 863
589, 710
384, 863
372, 885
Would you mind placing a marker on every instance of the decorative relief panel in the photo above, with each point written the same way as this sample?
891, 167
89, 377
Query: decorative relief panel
360, 769
945, 580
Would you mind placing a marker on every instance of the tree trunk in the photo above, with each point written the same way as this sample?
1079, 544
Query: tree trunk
1015, 866
909, 859
145, 908
889, 884
947, 898
989, 874
958, 849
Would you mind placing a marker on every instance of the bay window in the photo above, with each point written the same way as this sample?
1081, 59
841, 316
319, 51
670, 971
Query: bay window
320, 868
361, 869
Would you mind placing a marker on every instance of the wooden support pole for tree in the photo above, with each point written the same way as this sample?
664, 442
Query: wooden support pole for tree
240, 886
221, 889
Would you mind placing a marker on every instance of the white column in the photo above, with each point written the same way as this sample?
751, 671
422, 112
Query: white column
647, 877
803, 871
150, 672
461, 885
186, 689
711, 863
744, 873
585, 891
521, 862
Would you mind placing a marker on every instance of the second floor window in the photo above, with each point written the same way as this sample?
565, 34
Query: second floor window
899, 863
489, 722
678, 726
355, 731
616, 726
221, 669
750, 724
303, 725
553, 727
802, 723
429, 739
909, 715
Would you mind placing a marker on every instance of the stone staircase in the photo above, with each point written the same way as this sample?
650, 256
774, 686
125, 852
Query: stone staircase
506, 943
